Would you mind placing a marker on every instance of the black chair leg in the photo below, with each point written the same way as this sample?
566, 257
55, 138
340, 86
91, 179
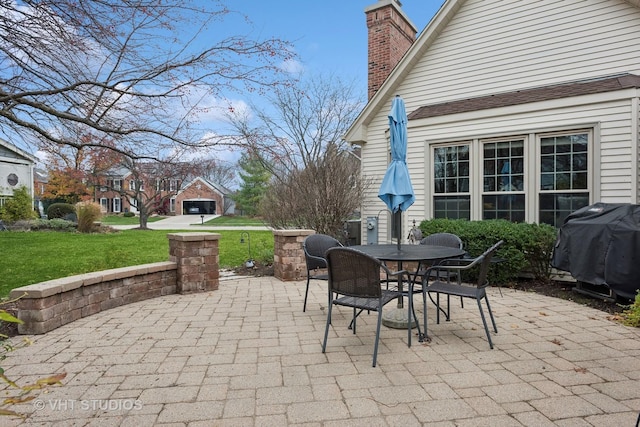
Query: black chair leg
412, 311
306, 293
326, 329
495, 328
375, 347
484, 322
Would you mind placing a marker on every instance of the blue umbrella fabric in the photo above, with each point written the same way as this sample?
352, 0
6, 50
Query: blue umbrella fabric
396, 190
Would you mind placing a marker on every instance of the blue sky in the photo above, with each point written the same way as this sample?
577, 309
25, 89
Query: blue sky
329, 35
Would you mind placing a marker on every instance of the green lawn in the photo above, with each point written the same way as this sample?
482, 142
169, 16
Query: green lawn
37, 256
234, 221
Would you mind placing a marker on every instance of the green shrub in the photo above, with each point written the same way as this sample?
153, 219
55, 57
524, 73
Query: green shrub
527, 247
128, 215
60, 210
631, 316
18, 207
57, 224
88, 214
265, 256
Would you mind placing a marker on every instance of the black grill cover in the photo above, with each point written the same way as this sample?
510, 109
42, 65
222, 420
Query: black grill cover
600, 244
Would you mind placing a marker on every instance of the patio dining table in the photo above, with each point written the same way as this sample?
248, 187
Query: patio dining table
422, 254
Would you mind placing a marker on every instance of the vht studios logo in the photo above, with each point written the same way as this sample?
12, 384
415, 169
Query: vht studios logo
87, 405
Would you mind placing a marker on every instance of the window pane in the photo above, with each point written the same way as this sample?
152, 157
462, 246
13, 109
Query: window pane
499, 172
451, 169
567, 170
507, 206
546, 164
452, 207
554, 208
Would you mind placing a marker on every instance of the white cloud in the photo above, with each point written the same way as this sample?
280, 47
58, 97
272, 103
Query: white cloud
292, 66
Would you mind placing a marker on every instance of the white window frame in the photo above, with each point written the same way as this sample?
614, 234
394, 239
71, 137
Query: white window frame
469, 193
591, 172
104, 204
172, 204
531, 169
117, 205
500, 192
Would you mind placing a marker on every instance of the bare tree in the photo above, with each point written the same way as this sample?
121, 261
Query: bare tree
132, 72
301, 121
316, 176
216, 171
322, 196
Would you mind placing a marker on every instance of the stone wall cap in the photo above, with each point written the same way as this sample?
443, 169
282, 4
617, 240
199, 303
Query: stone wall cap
65, 284
293, 232
193, 236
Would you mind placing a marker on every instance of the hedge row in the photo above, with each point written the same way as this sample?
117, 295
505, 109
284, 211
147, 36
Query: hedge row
527, 248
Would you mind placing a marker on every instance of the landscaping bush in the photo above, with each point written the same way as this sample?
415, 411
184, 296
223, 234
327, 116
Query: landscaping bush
88, 213
18, 207
527, 248
631, 315
60, 210
57, 224
128, 215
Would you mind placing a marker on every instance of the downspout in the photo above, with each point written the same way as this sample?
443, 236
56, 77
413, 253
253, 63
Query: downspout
635, 139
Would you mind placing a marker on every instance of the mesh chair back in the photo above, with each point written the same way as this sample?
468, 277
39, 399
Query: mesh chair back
485, 259
442, 239
353, 273
317, 245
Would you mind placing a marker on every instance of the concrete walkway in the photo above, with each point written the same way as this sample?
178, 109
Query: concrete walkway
247, 355
190, 223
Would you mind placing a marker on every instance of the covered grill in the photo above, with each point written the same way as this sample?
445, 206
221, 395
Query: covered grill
600, 245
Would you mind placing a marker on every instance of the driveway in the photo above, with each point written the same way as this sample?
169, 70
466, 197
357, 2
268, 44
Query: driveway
188, 222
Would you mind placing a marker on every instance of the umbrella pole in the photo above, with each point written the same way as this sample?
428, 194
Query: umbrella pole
398, 221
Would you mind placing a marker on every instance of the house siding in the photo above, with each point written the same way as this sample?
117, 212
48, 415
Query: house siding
498, 46
493, 47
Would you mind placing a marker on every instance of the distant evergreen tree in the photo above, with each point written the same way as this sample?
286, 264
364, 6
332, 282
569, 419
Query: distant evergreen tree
255, 179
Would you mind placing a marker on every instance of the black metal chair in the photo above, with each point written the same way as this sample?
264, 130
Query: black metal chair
477, 292
440, 239
315, 246
355, 281
443, 239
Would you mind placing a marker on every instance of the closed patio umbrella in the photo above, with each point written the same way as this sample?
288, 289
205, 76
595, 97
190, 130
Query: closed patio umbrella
396, 190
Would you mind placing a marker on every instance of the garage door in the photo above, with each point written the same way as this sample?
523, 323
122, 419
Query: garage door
199, 207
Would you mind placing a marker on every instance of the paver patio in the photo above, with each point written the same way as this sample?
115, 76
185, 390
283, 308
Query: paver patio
246, 354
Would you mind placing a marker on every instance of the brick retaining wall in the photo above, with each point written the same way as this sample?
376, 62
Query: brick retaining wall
193, 267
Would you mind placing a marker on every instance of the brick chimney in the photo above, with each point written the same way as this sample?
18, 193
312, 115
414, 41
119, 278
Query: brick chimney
391, 33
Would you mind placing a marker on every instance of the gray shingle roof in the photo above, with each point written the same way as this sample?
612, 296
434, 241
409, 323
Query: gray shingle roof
525, 96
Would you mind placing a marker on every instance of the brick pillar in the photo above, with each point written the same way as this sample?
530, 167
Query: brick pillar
288, 255
198, 260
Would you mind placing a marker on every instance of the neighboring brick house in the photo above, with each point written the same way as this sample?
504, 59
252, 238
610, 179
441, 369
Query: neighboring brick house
197, 196
201, 197
16, 170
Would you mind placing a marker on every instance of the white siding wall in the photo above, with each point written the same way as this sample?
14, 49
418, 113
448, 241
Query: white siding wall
499, 46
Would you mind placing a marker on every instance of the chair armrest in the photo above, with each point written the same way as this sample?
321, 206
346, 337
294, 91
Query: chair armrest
453, 264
